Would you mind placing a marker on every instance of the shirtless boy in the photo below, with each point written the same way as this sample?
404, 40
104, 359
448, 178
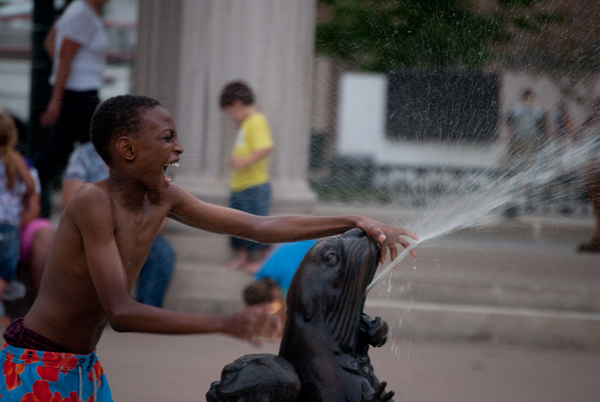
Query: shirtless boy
104, 236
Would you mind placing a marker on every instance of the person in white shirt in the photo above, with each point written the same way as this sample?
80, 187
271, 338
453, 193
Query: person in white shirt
77, 44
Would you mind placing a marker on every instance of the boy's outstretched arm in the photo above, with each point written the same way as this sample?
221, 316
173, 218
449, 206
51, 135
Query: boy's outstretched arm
191, 211
126, 315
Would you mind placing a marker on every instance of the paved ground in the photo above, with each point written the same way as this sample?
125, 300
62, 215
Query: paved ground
181, 368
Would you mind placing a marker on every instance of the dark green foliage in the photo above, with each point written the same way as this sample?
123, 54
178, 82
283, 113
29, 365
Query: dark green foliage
384, 35
378, 35
525, 24
551, 18
517, 3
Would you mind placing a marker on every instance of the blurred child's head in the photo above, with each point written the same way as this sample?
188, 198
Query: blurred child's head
237, 100
266, 291
236, 91
527, 95
262, 291
8, 141
120, 115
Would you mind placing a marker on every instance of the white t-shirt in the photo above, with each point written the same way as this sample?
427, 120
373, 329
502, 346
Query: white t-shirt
81, 24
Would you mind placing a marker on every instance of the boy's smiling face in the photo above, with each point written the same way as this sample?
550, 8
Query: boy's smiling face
157, 147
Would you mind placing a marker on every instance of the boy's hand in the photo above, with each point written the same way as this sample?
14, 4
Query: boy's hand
238, 163
242, 162
388, 236
247, 323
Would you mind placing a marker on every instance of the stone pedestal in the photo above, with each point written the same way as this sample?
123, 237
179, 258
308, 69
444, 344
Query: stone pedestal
189, 49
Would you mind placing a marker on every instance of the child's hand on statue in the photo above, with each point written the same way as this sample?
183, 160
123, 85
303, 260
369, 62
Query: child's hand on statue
388, 236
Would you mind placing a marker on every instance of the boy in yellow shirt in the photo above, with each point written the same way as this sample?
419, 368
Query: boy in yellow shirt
250, 188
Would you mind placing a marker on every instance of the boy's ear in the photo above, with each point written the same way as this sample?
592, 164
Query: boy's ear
125, 148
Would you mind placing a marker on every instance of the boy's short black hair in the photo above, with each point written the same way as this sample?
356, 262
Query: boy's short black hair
236, 90
118, 115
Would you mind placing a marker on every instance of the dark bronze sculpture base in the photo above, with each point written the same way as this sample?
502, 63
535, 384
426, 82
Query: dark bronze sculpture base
324, 350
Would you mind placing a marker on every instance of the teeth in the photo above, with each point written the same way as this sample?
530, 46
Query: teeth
168, 178
174, 164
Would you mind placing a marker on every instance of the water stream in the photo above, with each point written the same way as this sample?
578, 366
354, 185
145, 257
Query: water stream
484, 198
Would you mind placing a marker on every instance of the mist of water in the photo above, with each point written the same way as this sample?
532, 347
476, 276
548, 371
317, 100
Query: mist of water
480, 200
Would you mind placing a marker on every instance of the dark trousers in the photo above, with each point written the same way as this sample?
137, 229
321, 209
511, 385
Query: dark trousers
72, 126
156, 273
254, 200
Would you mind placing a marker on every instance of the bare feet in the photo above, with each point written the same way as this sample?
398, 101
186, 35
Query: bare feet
592, 246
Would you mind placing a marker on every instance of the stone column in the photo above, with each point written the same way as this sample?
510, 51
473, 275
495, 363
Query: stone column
189, 49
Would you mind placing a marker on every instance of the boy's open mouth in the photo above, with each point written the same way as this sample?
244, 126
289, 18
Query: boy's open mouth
175, 164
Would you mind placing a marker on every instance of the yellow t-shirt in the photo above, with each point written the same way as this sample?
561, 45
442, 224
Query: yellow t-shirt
254, 135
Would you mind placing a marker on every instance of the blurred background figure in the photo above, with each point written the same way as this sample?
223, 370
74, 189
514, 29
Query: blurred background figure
526, 134
77, 44
16, 189
250, 187
37, 234
86, 166
591, 129
525, 123
36, 238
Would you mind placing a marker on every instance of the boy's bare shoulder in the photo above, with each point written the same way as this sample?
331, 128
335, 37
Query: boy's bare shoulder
177, 194
90, 199
92, 191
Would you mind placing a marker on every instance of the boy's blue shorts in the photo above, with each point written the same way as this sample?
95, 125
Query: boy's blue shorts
34, 375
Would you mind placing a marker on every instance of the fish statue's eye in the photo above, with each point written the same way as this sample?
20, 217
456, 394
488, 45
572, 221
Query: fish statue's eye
331, 258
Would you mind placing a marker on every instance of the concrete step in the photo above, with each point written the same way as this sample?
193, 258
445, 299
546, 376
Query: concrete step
536, 293
532, 295
536, 277
514, 282
499, 325
446, 273
200, 283
210, 288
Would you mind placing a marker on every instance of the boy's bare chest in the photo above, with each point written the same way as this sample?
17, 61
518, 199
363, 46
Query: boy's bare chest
135, 233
